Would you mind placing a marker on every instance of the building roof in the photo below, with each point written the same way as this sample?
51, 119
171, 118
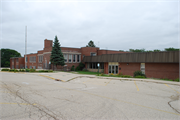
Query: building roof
144, 57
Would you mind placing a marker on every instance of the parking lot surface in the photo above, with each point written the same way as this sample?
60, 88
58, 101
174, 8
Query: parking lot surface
26, 96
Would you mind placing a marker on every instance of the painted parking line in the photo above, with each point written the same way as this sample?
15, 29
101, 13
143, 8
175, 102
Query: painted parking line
50, 77
108, 83
121, 101
136, 86
20, 103
172, 88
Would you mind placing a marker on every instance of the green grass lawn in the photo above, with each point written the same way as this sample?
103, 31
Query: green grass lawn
86, 72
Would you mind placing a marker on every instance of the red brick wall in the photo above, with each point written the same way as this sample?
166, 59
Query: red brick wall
31, 63
162, 70
48, 43
129, 69
106, 68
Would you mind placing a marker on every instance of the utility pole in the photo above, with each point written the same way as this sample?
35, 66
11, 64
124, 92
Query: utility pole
25, 46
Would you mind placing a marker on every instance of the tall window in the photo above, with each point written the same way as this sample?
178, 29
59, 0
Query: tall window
78, 58
74, 58
33, 59
143, 68
26, 59
70, 58
40, 59
65, 57
17, 60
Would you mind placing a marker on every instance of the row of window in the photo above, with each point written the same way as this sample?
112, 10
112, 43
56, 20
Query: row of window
95, 65
68, 58
17, 60
32, 59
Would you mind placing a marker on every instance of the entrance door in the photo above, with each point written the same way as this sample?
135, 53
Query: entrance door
113, 68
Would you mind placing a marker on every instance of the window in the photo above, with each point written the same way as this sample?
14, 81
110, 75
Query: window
70, 58
93, 54
17, 66
17, 60
30, 67
12, 60
65, 57
33, 59
143, 68
26, 59
12, 66
74, 58
40, 58
78, 58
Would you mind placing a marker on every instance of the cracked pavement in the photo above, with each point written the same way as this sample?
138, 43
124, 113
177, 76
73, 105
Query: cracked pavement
31, 96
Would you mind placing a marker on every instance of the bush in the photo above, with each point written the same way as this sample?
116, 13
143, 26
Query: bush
22, 70
32, 70
139, 73
140, 77
5, 69
126, 76
77, 68
73, 68
84, 69
27, 70
11, 70
177, 79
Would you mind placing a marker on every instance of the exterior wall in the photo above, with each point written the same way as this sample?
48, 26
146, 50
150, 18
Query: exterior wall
96, 70
106, 68
48, 43
86, 51
28, 63
162, 70
129, 69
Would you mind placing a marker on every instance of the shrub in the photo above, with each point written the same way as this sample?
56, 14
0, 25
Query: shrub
11, 70
126, 76
32, 70
139, 76
5, 69
73, 68
77, 68
27, 70
177, 79
84, 69
139, 73
50, 71
15, 70
22, 70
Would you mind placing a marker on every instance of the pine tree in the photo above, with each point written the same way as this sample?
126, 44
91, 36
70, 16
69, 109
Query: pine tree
91, 44
56, 54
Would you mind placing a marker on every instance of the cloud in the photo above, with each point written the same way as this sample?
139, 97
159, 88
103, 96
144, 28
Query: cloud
114, 25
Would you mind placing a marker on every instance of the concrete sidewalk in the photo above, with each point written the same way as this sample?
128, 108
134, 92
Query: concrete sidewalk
65, 76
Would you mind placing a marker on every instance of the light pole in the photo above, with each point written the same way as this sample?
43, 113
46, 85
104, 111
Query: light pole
98, 67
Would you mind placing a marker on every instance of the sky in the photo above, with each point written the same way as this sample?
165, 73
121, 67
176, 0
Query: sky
111, 24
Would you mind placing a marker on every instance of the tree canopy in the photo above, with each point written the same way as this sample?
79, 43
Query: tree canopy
91, 44
156, 50
57, 57
6, 54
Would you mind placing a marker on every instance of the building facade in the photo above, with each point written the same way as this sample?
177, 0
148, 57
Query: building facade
153, 64
41, 59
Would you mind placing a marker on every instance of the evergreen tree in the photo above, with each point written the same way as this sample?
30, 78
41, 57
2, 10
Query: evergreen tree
90, 44
57, 57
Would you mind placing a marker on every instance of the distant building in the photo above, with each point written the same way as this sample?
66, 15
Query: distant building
41, 59
153, 64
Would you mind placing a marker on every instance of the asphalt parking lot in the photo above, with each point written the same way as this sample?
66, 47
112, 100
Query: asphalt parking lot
78, 97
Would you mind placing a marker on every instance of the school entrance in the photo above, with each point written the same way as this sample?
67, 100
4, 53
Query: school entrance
113, 67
